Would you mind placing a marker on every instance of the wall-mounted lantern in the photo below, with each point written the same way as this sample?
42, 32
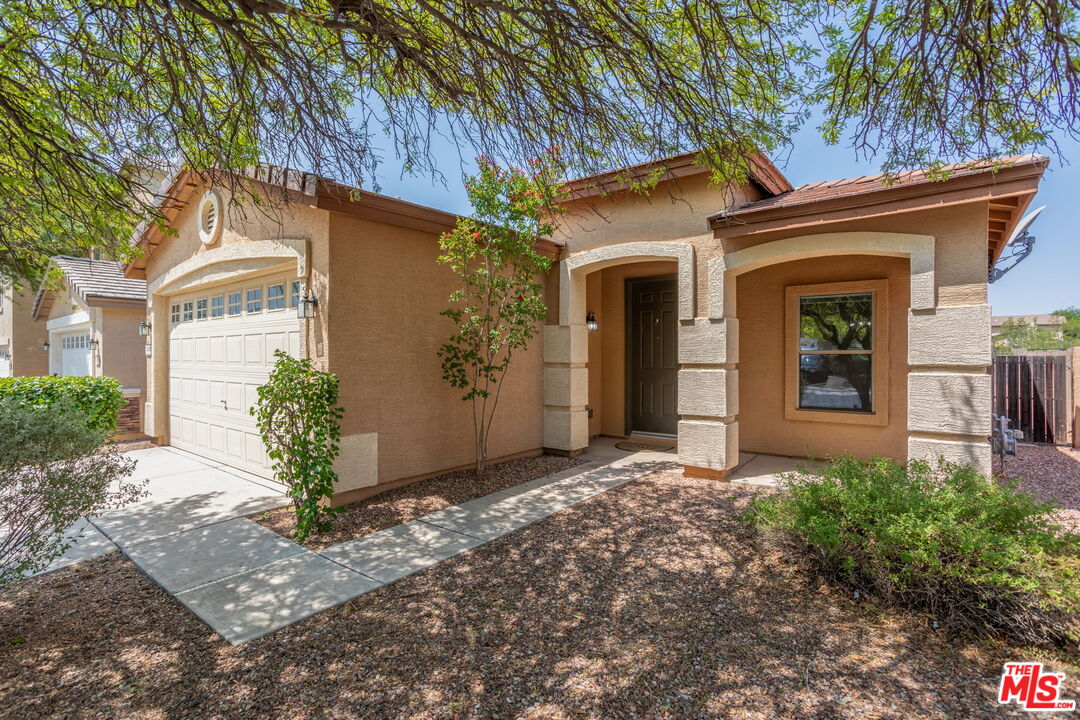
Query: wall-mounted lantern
144, 328
590, 322
45, 346
94, 342
305, 307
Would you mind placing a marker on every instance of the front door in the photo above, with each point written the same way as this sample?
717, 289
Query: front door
654, 370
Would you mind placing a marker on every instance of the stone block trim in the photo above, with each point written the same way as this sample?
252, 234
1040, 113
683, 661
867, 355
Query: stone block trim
709, 342
953, 336
566, 429
709, 393
968, 451
711, 444
957, 403
566, 344
566, 386
574, 268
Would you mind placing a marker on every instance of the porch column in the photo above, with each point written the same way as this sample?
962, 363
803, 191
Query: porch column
566, 388
709, 384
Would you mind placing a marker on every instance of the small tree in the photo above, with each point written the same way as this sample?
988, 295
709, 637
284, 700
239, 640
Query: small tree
298, 416
500, 299
1018, 335
52, 473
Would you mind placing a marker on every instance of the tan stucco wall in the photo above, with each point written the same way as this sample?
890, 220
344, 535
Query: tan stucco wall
123, 354
762, 425
24, 333
607, 346
675, 209
385, 330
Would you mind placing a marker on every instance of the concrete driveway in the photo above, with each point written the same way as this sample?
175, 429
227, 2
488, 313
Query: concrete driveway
185, 491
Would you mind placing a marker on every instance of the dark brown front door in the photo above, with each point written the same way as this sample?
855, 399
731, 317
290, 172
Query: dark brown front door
654, 370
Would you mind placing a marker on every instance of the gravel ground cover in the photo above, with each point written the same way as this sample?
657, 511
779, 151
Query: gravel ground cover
403, 504
648, 601
1049, 473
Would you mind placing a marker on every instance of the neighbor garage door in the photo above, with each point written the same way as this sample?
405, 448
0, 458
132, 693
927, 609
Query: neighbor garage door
221, 349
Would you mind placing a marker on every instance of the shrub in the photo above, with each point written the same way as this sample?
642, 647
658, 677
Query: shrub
976, 555
298, 417
52, 473
99, 399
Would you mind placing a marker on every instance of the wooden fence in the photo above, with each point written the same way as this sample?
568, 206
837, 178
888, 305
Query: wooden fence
1036, 391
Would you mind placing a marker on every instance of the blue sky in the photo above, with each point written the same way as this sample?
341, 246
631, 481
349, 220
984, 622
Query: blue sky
1047, 280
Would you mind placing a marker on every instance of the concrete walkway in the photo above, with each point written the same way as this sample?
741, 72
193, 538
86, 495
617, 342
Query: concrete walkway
245, 581
184, 492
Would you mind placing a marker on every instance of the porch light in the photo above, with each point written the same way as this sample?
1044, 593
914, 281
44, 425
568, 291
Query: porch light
45, 346
305, 307
144, 328
590, 322
94, 342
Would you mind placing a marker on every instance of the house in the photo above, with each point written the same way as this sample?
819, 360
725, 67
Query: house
840, 316
92, 325
1051, 323
22, 339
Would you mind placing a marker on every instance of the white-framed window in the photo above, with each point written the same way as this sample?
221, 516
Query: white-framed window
254, 300
294, 293
217, 306
201, 306
174, 313
189, 311
235, 303
275, 296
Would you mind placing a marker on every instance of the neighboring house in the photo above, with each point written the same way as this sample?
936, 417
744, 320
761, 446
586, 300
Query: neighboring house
22, 338
1052, 323
93, 328
842, 316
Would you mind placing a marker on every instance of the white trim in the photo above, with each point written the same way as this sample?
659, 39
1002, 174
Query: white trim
918, 248
68, 321
574, 269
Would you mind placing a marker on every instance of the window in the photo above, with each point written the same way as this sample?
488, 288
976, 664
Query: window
836, 362
254, 300
275, 297
294, 293
235, 304
174, 313
189, 310
200, 309
217, 306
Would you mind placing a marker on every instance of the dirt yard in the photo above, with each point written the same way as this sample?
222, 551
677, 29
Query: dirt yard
407, 503
649, 601
1049, 473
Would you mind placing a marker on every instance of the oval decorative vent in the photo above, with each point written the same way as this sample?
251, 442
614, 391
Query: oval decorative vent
210, 217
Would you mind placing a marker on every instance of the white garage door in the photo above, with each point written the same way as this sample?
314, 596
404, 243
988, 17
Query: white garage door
221, 349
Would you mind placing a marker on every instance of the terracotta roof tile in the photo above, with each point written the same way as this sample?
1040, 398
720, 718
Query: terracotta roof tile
845, 187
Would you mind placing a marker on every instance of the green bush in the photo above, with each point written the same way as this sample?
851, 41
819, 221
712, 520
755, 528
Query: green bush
52, 473
99, 399
298, 418
974, 554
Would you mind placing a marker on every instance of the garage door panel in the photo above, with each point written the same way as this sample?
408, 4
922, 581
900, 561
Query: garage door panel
216, 366
217, 350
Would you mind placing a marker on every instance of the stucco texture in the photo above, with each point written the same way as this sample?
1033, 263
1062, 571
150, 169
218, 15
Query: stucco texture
763, 427
385, 331
24, 333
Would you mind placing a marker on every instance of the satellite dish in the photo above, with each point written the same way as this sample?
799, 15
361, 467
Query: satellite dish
1018, 247
1024, 224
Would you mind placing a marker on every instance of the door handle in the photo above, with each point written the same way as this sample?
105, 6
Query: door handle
225, 404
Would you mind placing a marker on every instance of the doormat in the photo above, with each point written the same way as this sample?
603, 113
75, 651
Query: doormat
642, 447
